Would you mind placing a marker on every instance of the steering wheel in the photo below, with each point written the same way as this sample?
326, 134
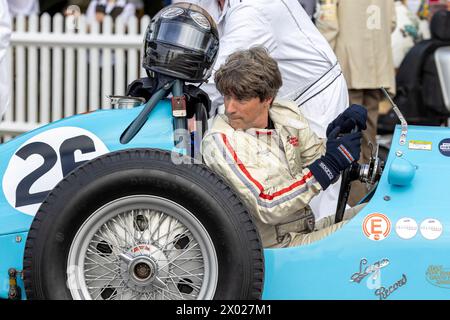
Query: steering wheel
344, 191
348, 175
369, 173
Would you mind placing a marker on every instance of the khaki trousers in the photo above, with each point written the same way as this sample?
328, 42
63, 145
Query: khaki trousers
370, 99
323, 228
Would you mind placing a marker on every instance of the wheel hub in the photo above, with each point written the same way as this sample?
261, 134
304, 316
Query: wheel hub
146, 263
143, 270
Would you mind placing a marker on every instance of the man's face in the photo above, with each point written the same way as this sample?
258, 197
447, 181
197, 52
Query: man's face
246, 114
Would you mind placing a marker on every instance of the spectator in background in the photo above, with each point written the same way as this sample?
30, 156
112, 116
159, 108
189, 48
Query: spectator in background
23, 7
424, 25
98, 9
5, 33
82, 4
406, 33
360, 34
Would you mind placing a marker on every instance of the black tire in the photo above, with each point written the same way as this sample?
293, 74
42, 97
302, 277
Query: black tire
143, 171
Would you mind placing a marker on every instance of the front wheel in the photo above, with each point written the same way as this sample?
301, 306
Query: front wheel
133, 225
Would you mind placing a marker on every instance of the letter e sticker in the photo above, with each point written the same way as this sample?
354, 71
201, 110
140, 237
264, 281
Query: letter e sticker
376, 226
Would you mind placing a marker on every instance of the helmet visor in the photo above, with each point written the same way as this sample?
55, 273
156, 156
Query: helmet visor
183, 35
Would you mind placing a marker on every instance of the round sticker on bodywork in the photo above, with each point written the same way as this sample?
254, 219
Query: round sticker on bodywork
406, 228
43, 160
376, 226
444, 147
431, 229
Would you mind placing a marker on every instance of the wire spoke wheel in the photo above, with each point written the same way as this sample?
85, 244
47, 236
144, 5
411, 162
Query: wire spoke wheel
142, 247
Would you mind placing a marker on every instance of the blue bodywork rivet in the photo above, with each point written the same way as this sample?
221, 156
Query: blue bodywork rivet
387, 198
18, 239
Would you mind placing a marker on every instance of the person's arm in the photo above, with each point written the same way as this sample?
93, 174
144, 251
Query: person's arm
5, 34
245, 26
328, 21
268, 189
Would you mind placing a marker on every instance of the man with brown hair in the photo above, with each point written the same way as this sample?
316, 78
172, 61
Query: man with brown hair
266, 150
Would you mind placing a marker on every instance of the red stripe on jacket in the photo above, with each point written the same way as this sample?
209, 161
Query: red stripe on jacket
244, 170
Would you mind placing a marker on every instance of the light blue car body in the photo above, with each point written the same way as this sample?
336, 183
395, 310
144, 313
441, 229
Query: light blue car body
346, 264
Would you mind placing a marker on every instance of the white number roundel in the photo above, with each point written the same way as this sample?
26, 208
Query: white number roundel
42, 161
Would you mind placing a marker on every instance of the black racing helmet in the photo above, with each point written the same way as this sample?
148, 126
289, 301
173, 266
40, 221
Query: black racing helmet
181, 41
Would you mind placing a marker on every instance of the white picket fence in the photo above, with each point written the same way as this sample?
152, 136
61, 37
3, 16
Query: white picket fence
60, 67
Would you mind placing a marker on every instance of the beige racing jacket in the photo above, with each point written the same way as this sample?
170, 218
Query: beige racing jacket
267, 168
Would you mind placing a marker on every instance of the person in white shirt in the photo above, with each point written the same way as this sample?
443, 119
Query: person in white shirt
310, 71
5, 34
406, 32
23, 7
97, 9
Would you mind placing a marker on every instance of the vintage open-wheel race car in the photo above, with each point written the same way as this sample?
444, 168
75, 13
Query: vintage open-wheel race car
116, 204
113, 205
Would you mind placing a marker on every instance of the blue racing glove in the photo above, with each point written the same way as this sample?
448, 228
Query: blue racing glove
353, 116
341, 152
